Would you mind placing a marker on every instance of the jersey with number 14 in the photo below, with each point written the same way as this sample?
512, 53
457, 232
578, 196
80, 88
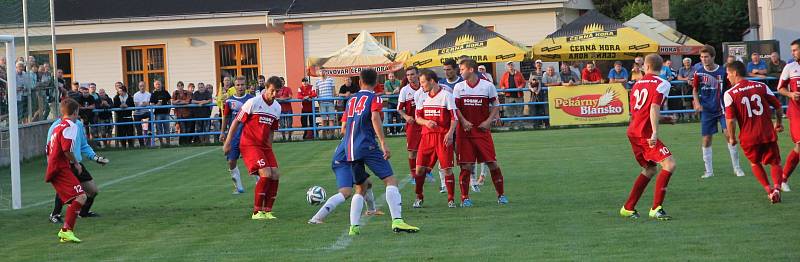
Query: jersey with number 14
748, 103
359, 135
650, 90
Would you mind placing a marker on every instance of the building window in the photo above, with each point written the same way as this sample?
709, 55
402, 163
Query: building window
144, 63
64, 57
385, 38
237, 58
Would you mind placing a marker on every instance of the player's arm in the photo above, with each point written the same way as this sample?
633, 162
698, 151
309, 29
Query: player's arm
655, 116
778, 107
783, 85
731, 115
494, 114
448, 139
695, 94
377, 125
226, 147
67, 146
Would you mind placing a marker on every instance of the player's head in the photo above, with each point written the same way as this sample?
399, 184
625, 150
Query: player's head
69, 108
368, 79
796, 49
450, 68
240, 85
736, 71
273, 84
428, 80
468, 67
653, 63
707, 54
412, 73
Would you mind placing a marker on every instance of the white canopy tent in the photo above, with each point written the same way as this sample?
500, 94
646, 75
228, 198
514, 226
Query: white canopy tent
364, 52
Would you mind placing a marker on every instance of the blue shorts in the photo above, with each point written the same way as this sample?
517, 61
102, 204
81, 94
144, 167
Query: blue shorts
234, 154
349, 173
708, 123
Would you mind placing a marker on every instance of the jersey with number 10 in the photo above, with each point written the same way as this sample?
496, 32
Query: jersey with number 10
748, 103
650, 90
359, 135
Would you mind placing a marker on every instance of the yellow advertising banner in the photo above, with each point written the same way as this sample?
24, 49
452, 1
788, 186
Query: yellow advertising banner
588, 104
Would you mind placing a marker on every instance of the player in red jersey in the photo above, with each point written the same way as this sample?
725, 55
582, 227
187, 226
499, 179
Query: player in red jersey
747, 103
789, 86
648, 95
476, 100
407, 109
60, 161
259, 119
436, 113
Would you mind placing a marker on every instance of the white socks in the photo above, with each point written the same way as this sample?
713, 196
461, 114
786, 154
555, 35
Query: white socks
356, 204
707, 158
394, 200
329, 206
734, 157
236, 178
369, 197
441, 176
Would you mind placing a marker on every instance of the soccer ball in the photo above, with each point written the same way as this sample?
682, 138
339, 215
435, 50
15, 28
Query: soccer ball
315, 195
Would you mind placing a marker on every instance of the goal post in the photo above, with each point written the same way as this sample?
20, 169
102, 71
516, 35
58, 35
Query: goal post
13, 124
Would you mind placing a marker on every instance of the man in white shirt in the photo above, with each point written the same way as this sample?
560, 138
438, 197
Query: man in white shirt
140, 99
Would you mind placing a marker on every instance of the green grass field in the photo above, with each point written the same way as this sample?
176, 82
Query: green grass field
565, 187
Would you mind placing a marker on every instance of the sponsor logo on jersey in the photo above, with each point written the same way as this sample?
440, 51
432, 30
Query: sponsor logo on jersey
473, 101
265, 120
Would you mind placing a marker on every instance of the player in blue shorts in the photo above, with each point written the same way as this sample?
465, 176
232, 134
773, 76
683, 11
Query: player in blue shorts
230, 108
708, 85
359, 149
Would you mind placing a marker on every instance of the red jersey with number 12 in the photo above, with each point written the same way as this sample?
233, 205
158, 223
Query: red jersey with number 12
650, 90
440, 108
748, 103
60, 144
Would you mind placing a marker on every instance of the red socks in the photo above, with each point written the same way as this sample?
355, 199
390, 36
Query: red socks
450, 183
261, 186
661, 187
72, 212
270, 193
791, 163
420, 182
761, 176
636, 191
497, 180
412, 165
463, 182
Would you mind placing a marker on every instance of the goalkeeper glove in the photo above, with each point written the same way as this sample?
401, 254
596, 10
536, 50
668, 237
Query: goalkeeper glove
101, 160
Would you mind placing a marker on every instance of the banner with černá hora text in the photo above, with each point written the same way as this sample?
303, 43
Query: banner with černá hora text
588, 104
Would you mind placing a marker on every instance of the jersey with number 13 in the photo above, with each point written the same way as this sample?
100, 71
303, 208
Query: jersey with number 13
650, 90
359, 135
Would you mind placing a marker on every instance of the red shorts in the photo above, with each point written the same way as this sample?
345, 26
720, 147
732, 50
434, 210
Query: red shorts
475, 149
256, 158
648, 156
412, 140
66, 185
431, 149
794, 129
765, 153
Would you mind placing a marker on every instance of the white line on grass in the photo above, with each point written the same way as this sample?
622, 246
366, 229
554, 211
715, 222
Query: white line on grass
345, 239
121, 179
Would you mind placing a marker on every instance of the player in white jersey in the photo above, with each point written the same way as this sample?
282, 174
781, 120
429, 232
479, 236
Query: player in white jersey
789, 86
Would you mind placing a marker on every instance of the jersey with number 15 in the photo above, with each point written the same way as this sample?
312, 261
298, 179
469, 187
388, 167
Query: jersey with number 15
359, 135
650, 90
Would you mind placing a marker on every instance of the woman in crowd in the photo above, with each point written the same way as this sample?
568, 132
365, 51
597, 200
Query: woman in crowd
123, 100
